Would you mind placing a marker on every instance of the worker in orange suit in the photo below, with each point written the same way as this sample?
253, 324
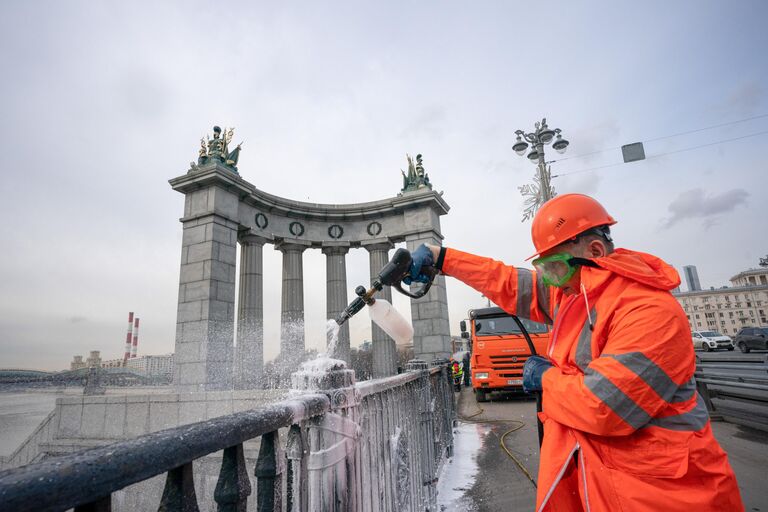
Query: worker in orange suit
624, 428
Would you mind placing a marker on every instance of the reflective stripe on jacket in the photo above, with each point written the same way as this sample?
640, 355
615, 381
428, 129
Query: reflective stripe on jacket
621, 394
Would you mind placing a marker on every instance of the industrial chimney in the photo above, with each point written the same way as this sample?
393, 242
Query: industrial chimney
135, 337
128, 338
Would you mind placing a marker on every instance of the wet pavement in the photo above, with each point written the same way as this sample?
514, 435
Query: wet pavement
483, 477
495, 482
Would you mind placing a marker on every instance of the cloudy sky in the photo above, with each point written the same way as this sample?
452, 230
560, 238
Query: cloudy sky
103, 102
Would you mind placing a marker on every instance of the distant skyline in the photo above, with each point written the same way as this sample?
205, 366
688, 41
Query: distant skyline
104, 102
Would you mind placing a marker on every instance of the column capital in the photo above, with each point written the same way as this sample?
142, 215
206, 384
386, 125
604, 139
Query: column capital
433, 237
292, 245
335, 248
248, 239
378, 245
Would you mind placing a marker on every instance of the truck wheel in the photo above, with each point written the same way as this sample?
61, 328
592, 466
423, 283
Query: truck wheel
743, 347
481, 396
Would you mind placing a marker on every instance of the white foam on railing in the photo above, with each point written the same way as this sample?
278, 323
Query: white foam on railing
313, 370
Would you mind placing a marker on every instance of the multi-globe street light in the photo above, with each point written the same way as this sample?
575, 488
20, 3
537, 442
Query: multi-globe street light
541, 190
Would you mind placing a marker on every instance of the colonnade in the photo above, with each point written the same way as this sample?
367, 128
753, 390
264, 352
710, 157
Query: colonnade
222, 211
249, 358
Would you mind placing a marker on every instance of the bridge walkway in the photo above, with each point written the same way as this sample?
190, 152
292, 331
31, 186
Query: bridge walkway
482, 477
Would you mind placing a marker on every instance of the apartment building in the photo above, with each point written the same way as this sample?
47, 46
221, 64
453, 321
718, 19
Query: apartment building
153, 366
728, 309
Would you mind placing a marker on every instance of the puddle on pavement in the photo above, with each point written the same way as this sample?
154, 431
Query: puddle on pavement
458, 473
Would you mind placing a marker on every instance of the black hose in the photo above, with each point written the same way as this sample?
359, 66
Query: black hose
537, 394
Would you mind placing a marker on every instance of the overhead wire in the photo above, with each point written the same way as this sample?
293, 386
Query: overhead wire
659, 155
708, 128
678, 134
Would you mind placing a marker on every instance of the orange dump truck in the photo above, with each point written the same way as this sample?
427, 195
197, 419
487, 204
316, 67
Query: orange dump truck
499, 350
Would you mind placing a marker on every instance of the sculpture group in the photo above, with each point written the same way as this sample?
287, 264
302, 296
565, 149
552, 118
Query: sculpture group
217, 148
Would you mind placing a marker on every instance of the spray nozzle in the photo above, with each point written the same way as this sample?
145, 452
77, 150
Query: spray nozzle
392, 275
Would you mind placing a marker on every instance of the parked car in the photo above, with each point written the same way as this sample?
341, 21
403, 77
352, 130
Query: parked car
749, 338
711, 340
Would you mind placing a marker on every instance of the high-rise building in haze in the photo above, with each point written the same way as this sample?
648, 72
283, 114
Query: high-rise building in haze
692, 278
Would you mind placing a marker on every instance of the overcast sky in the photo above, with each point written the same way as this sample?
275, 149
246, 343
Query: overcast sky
103, 102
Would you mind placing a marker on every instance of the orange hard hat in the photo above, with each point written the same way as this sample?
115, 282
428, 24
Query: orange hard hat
565, 217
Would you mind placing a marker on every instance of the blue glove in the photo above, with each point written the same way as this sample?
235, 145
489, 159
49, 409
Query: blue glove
533, 370
420, 258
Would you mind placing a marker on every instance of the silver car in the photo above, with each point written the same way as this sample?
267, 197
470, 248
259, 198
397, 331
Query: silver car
711, 340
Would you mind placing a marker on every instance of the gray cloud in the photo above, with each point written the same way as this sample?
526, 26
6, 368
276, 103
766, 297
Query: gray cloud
143, 93
590, 141
585, 183
747, 97
76, 319
428, 123
695, 204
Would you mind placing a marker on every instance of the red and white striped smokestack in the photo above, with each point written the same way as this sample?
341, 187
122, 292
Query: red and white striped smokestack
135, 338
128, 337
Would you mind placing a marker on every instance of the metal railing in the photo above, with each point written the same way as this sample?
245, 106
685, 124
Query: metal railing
735, 387
377, 445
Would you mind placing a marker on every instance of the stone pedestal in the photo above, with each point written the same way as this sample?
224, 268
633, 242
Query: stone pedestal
206, 310
336, 293
432, 333
383, 347
292, 304
250, 326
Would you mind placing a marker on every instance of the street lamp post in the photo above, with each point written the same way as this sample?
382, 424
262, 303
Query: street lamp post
541, 190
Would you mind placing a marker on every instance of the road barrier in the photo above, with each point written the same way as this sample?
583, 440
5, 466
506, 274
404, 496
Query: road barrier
735, 387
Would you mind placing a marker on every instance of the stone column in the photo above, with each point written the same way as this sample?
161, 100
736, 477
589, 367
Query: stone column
206, 311
250, 314
432, 332
384, 348
292, 310
336, 293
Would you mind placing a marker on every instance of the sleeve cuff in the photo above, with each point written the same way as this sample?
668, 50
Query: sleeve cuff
440, 259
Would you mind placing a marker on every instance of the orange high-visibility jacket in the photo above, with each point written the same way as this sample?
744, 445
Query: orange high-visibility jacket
624, 428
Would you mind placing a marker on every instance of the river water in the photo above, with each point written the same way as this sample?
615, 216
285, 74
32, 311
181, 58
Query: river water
21, 411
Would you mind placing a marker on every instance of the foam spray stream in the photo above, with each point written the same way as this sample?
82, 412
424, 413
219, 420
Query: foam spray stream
381, 312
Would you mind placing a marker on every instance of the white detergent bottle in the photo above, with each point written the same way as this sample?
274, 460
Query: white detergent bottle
391, 321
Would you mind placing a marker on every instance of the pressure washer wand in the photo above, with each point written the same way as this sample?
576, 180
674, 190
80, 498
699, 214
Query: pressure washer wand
392, 275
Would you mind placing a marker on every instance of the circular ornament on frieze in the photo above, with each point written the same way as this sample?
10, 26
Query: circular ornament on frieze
261, 220
374, 228
335, 231
296, 228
